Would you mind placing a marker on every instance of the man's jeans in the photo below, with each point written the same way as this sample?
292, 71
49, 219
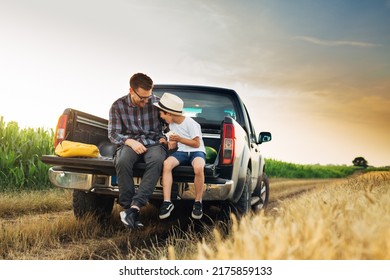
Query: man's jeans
125, 159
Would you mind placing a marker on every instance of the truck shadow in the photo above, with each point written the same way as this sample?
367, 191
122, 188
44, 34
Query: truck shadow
152, 241
179, 227
180, 220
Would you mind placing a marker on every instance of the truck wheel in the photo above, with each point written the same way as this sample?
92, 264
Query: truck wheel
223, 218
243, 204
241, 207
261, 194
92, 204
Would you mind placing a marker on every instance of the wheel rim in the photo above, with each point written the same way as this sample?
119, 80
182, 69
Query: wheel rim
258, 201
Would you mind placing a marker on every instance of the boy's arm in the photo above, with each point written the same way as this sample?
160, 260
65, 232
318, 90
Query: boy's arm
195, 143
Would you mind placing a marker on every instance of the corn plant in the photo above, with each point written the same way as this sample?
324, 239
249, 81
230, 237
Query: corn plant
20, 152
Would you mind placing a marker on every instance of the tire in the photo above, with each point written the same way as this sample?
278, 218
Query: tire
223, 219
97, 205
238, 209
243, 205
261, 194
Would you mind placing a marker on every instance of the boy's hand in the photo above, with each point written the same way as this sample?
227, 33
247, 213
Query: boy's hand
174, 137
169, 133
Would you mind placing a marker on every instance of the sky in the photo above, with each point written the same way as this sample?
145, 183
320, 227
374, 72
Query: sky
314, 73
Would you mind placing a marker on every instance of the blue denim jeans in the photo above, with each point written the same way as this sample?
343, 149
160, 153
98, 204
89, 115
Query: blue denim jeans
186, 158
125, 159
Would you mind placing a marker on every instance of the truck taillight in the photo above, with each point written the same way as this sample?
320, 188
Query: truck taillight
228, 142
60, 130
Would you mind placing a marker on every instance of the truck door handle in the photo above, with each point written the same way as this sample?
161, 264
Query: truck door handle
254, 146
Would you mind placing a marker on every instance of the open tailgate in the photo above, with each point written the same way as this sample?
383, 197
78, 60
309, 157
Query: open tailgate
105, 166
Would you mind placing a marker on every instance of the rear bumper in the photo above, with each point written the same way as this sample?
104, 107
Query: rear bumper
219, 189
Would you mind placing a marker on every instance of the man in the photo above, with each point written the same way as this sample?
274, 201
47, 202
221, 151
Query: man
135, 126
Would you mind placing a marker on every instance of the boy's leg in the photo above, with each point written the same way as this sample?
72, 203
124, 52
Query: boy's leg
167, 179
198, 165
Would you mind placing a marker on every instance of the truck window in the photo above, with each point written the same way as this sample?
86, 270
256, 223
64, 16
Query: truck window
251, 128
205, 107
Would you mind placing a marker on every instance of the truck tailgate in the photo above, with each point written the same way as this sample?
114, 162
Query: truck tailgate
106, 166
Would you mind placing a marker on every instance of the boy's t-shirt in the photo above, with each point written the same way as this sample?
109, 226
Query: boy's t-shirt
189, 129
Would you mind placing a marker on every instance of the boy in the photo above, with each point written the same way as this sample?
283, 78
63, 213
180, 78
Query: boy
186, 135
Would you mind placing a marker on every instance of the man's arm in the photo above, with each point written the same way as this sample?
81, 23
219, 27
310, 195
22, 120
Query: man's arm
115, 127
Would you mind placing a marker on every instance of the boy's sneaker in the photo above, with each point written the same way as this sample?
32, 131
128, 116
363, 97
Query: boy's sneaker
197, 211
130, 217
166, 209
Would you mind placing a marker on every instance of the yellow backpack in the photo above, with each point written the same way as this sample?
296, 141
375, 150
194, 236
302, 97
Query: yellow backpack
68, 148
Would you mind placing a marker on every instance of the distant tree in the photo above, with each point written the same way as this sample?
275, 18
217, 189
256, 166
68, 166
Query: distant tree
360, 161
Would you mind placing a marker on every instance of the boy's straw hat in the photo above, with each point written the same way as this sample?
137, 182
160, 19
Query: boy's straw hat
170, 103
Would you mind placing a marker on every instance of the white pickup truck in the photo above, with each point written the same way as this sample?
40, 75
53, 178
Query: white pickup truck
235, 180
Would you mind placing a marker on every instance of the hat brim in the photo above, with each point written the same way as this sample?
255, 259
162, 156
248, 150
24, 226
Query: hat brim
167, 110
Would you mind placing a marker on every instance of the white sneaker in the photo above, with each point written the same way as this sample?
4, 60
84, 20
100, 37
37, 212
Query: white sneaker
123, 214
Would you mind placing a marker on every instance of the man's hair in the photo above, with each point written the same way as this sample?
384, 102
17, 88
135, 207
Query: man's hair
140, 80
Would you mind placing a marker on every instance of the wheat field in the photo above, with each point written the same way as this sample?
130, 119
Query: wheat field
343, 219
349, 220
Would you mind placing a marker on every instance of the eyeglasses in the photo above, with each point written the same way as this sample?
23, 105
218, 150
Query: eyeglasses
141, 97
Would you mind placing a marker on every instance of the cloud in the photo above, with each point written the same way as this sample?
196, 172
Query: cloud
334, 43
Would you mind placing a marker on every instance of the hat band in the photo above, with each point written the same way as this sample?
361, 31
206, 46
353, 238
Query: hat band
169, 109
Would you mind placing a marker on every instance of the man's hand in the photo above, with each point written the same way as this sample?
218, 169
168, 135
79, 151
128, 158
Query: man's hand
137, 147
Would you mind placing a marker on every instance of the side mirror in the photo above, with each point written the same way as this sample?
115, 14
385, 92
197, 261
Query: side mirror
264, 137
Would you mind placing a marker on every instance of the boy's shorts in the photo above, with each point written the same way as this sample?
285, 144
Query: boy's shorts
186, 158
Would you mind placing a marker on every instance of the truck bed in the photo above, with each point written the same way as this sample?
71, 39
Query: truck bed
105, 166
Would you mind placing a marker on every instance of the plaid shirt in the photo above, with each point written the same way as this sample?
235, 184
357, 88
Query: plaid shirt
127, 121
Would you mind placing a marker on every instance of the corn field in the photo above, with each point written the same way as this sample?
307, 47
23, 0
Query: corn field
20, 152
280, 169
21, 168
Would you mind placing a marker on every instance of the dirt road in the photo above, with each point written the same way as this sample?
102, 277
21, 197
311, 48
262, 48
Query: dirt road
282, 189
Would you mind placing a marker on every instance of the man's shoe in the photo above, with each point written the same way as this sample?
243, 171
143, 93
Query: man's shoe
166, 209
197, 211
130, 217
